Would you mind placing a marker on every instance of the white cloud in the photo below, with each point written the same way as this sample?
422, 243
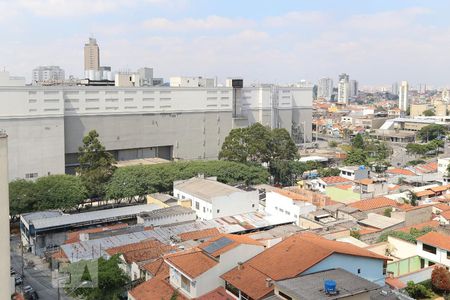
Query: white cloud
191, 24
296, 18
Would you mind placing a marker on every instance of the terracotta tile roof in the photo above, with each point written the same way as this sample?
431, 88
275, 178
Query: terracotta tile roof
432, 224
217, 294
199, 234
395, 283
157, 267
334, 179
440, 188
425, 193
147, 254
292, 195
374, 203
147, 244
445, 214
442, 206
430, 167
193, 262
436, 239
235, 240
155, 288
74, 236
344, 186
288, 259
399, 171
364, 181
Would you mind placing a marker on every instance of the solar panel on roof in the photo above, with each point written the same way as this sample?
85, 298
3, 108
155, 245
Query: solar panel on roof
217, 245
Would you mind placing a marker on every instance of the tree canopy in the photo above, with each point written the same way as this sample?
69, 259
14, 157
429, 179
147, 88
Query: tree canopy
424, 149
428, 113
258, 143
431, 132
358, 142
356, 156
96, 165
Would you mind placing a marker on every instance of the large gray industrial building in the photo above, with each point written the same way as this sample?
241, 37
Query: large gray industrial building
46, 124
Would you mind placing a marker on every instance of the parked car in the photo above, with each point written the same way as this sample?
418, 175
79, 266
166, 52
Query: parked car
18, 279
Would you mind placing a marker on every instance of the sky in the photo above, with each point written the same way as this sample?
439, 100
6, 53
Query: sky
278, 41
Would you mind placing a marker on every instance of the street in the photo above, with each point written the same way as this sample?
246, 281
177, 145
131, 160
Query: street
39, 276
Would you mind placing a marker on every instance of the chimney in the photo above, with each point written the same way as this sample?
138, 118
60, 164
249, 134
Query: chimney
240, 265
268, 282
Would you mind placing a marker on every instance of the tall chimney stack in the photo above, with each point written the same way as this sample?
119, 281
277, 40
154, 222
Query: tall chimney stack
5, 264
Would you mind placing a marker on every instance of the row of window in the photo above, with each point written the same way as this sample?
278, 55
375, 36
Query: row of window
282, 211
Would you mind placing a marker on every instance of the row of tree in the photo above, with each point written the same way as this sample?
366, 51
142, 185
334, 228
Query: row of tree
365, 151
425, 149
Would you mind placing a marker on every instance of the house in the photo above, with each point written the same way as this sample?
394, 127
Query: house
300, 254
324, 182
443, 165
444, 217
343, 285
197, 271
287, 205
354, 172
434, 248
370, 188
375, 205
212, 199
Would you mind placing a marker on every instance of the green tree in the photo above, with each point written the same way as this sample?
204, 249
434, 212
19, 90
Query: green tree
326, 172
21, 197
58, 192
355, 234
431, 132
234, 148
281, 145
111, 282
258, 143
387, 212
96, 165
418, 291
358, 142
356, 156
410, 236
428, 113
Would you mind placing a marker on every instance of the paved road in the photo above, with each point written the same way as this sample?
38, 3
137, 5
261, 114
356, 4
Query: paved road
39, 277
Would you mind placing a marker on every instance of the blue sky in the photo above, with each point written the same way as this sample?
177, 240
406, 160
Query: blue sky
375, 41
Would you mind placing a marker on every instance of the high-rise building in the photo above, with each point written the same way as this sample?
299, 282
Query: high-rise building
48, 73
343, 89
445, 96
5, 263
403, 102
353, 88
91, 55
394, 88
325, 88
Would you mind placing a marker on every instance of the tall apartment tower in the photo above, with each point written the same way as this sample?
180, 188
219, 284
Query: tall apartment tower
353, 88
91, 55
343, 88
394, 88
403, 102
5, 263
325, 88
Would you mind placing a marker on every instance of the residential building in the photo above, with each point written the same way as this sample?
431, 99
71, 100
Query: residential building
287, 205
91, 55
403, 100
46, 124
322, 183
353, 88
48, 74
445, 95
299, 255
354, 172
212, 199
434, 248
325, 88
343, 89
197, 271
394, 88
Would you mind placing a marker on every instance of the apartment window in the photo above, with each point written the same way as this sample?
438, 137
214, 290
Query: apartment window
281, 210
197, 205
284, 296
218, 211
288, 213
232, 289
253, 205
359, 271
31, 175
185, 283
428, 248
204, 209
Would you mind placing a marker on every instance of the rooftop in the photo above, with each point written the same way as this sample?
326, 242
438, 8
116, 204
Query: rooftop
166, 212
193, 262
155, 288
28, 217
311, 287
375, 203
90, 217
398, 171
379, 221
205, 189
334, 179
437, 239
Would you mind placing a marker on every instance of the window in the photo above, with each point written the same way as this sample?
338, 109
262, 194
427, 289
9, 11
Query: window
31, 175
197, 205
185, 283
204, 209
428, 248
288, 213
448, 254
218, 211
284, 296
253, 205
359, 271
232, 289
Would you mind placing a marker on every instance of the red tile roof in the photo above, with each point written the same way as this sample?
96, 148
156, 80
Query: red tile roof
425, 193
142, 251
375, 203
395, 283
437, 239
193, 262
292, 195
432, 224
445, 214
199, 234
288, 259
399, 171
334, 179
157, 267
442, 206
440, 188
155, 288
217, 294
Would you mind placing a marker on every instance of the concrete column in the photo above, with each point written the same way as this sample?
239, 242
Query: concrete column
5, 263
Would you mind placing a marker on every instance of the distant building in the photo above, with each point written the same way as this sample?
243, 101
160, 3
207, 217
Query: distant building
192, 82
325, 88
287, 205
91, 55
394, 88
353, 88
403, 101
343, 89
445, 96
47, 73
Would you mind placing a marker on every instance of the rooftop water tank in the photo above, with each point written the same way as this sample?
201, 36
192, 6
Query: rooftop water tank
330, 286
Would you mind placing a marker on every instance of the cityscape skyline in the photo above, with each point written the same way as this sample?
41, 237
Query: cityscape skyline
286, 44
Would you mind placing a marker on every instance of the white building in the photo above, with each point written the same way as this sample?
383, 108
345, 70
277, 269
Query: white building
443, 165
353, 88
212, 199
354, 172
403, 101
180, 81
325, 88
285, 205
434, 248
394, 88
343, 89
196, 272
48, 74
